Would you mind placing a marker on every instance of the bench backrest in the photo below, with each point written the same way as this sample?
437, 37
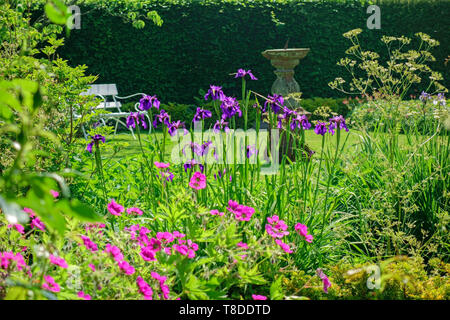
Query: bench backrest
102, 89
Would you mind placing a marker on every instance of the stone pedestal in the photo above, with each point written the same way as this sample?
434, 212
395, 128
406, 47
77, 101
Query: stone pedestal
285, 60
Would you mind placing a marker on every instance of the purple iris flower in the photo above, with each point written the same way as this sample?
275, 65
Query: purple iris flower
136, 117
205, 148
148, 101
95, 140
175, 125
424, 96
321, 128
220, 174
195, 147
276, 102
162, 117
215, 93
191, 164
440, 99
337, 122
221, 124
230, 106
201, 114
251, 150
241, 73
262, 108
300, 121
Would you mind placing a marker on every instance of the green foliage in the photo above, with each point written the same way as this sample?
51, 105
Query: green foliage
202, 42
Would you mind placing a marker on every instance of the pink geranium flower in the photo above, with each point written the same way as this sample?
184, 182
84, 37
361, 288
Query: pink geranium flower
242, 245
198, 181
114, 208
258, 297
144, 288
84, 296
135, 211
18, 227
303, 231
50, 284
216, 212
58, 261
126, 267
161, 165
284, 246
54, 193
277, 228
241, 212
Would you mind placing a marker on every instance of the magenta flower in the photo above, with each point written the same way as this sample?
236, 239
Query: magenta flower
242, 245
241, 73
114, 208
175, 125
92, 267
54, 193
301, 122
276, 227
126, 267
50, 284
84, 296
284, 246
35, 221
326, 282
198, 181
148, 254
161, 165
95, 140
7, 257
303, 231
258, 297
114, 251
144, 288
89, 244
135, 211
216, 212
58, 261
18, 227
241, 212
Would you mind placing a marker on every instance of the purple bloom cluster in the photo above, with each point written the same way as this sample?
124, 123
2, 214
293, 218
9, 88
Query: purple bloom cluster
337, 122
175, 125
230, 106
276, 102
201, 114
136, 117
149, 101
163, 117
215, 93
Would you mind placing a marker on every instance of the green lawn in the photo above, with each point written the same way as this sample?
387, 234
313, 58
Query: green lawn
132, 147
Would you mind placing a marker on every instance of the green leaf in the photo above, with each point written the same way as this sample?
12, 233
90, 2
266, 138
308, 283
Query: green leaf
276, 292
16, 293
56, 11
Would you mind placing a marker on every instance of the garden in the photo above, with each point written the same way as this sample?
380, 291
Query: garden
202, 178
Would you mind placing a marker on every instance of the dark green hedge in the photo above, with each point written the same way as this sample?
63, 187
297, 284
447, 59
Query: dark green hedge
202, 42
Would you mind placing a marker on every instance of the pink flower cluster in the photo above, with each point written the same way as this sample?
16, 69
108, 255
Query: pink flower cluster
7, 257
35, 221
135, 211
118, 257
303, 231
58, 261
258, 297
144, 288
84, 296
164, 288
283, 246
198, 181
50, 284
216, 212
18, 227
89, 244
276, 227
241, 212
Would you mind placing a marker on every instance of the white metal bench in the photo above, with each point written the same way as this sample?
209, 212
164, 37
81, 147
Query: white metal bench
110, 90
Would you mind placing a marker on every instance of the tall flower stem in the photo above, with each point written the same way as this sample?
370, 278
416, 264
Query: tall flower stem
99, 165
